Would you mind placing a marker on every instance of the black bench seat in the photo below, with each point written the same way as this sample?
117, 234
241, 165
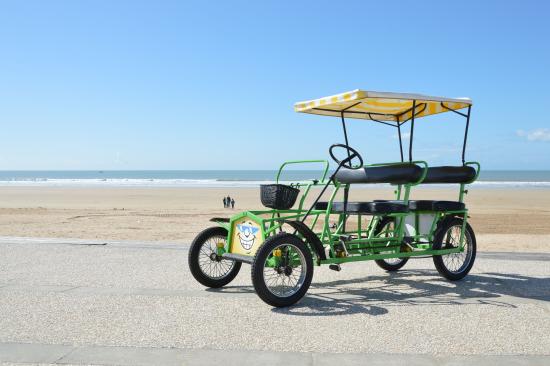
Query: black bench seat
406, 173
384, 207
402, 173
367, 208
450, 174
431, 205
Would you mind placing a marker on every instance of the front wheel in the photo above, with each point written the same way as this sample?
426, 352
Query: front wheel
454, 266
282, 270
204, 262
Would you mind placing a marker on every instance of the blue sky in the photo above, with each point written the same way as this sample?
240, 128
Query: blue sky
211, 85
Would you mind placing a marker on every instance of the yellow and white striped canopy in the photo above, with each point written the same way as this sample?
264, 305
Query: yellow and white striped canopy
381, 106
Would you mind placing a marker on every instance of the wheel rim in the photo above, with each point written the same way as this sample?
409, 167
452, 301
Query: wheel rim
281, 281
209, 263
456, 262
387, 232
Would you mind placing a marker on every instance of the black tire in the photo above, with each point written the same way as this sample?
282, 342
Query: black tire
266, 251
445, 237
224, 270
390, 264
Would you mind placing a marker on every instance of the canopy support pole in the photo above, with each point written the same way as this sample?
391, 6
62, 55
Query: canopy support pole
467, 116
412, 130
346, 188
466, 134
400, 141
345, 131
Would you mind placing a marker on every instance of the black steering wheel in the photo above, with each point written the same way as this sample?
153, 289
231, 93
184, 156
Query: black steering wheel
352, 154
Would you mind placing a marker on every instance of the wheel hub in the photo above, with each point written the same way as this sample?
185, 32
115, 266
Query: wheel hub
286, 270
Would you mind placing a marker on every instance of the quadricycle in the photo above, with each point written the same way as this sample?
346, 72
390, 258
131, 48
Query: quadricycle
295, 233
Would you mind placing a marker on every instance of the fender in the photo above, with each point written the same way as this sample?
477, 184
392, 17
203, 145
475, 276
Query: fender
443, 221
222, 221
310, 237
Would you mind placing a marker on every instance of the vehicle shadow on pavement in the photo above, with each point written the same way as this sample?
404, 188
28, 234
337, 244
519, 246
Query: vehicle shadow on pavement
375, 295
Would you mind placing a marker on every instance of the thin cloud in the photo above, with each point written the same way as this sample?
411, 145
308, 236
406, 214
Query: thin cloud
539, 134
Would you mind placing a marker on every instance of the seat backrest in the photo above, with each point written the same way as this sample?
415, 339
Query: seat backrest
450, 174
395, 174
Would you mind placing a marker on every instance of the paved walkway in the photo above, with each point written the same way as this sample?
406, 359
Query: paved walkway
101, 355
93, 302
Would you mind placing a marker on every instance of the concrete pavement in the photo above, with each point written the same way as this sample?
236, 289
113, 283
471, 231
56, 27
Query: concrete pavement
95, 302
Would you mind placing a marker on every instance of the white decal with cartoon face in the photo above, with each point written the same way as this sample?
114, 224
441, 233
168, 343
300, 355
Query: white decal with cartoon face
247, 234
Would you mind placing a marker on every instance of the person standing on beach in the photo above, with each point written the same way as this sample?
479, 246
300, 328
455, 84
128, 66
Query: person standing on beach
232, 203
224, 202
228, 200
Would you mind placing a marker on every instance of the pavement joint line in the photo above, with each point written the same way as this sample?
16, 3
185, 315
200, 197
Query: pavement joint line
128, 355
66, 354
69, 289
92, 242
167, 245
135, 291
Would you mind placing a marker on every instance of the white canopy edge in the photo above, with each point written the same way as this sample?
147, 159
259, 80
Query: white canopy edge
400, 96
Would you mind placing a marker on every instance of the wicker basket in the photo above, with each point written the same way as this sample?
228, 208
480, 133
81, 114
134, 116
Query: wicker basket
278, 196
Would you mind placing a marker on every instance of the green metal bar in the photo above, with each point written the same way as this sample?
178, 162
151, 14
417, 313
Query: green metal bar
373, 224
478, 166
391, 255
461, 193
437, 217
463, 231
312, 227
327, 218
304, 195
325, 162
398, 192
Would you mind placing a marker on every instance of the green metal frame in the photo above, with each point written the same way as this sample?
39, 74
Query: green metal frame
365, 245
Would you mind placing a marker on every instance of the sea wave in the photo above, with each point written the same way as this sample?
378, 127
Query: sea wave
221, 183
121, 182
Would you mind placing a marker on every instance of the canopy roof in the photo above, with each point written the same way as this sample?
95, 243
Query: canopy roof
380, 106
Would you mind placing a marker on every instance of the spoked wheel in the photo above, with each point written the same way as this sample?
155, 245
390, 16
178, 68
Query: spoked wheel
385, 229
206, 265
454, 266
282, 270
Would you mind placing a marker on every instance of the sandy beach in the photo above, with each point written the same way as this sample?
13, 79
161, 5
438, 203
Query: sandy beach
503, 219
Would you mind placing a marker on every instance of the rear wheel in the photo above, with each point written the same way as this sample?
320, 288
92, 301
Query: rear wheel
385, 229
205, 264
282, 270
454, 266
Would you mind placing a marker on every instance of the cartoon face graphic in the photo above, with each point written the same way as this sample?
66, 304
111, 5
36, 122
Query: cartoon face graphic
247, 234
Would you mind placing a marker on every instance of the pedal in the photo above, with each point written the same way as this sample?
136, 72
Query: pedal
406, 248
335, 267
344, 238
406, 245
340, 248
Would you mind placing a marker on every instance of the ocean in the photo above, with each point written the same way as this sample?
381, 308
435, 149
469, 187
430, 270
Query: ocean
225, 178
